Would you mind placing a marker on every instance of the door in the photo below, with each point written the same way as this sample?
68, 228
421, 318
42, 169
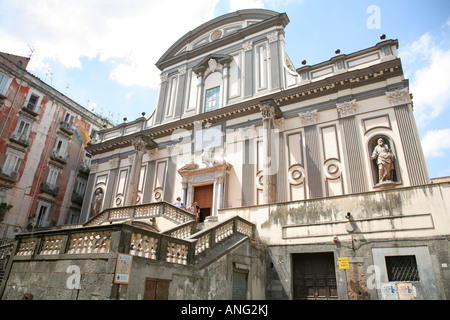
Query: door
204, 197
314, 276
156, 289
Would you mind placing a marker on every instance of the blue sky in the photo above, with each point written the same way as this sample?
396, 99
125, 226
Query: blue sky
102, 53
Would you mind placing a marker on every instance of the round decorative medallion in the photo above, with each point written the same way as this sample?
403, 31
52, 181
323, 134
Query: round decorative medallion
296, 174
216, 35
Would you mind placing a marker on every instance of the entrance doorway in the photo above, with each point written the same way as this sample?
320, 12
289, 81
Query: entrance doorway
203, 195
314, 276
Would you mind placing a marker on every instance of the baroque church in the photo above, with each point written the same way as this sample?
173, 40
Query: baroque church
311, 183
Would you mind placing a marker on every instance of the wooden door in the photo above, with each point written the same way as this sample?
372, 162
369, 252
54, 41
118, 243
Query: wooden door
314, 276
204, 197
156, 289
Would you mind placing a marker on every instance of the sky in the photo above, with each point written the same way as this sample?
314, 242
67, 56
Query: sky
102, 53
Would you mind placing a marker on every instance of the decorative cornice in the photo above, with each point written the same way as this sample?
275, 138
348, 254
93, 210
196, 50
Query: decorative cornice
333, 84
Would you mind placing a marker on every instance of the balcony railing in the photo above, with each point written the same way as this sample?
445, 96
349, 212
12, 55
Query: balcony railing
49, 188
62, 158
114, 238
142, 211
77, 198
21, 139
66, 127
13, 176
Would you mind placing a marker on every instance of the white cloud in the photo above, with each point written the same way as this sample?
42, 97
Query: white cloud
131, 35
436, 142
427, 63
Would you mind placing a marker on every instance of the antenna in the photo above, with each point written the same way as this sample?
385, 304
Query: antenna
32, 50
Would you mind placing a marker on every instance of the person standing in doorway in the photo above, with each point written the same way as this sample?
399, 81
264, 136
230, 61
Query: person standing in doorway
195, 210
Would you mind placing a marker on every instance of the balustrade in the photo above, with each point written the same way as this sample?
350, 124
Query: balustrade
51, 245
143, 246
203, 243
26, 247
182, 233
244, 228
119, 213
224, 231
146, 211
90, 242
178, 246
177, 253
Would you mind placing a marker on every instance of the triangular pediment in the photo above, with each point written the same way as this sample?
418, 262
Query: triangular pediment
219, 31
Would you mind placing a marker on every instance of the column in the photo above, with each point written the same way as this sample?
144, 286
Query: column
269, 111
139, 147
220, 190
225, 81
184, 194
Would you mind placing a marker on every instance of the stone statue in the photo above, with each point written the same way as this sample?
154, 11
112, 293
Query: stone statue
385, 161
96, 204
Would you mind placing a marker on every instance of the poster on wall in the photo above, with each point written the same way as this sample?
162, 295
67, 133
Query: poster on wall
123, 268
389, 291
405, 291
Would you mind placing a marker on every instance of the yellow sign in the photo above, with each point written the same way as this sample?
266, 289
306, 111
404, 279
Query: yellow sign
343, 263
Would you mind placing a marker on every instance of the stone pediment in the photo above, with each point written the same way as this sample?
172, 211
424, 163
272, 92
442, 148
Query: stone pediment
232, 27
213, 165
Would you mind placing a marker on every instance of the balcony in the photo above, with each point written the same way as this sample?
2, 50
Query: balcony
57, 156
66, 127
49, 188
30, 111
76, 198
11, 177
83, 170
20, 139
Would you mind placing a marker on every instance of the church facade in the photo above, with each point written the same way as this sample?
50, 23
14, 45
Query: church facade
311, 182
236, 125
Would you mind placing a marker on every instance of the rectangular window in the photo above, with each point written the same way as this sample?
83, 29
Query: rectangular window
73, 217
61, 146
11, 164
32, 102
81, 187
402, 268
212, 99
3, 84
87, 159
23, 130
42, 215
69, 118
52, 176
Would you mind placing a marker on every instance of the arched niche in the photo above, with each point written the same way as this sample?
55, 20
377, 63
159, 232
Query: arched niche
375, 158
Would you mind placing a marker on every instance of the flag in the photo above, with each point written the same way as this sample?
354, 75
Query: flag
78, 135
85, 138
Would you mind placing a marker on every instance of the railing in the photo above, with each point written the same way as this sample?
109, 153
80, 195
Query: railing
143, 211
125, 238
